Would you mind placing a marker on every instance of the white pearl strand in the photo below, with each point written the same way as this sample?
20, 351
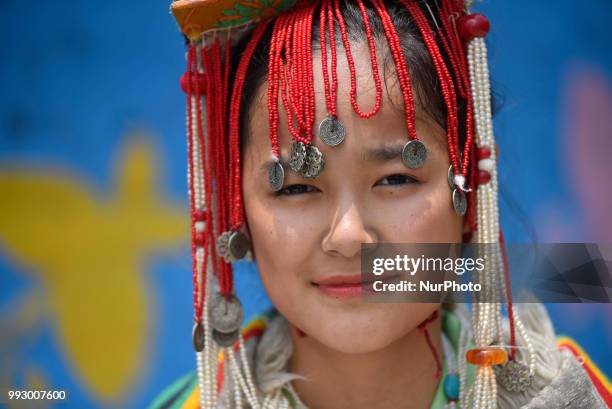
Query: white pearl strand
247, 369
487, 315
207, 359
465, 338
237, 377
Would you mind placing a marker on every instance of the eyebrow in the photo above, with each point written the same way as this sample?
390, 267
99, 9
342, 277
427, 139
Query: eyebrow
384, 153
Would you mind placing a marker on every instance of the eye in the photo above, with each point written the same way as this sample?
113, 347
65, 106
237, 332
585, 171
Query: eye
396, 179
293, 190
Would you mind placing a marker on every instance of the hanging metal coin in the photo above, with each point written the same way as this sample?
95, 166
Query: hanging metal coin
223, 247
225, 314
276, 176
331, 131
514, 376
197, 336
238, 245
225, 339
315, 162
298, 156
459, 202
414, 154
451, 177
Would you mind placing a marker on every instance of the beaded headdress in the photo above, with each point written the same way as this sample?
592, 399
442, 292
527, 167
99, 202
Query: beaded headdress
454, 38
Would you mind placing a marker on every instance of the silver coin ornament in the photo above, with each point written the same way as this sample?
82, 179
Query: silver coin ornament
314, 164
238, 245
276, 175
514, 376
223, 246
197, 336
298, 156
459, 201
414, 154
225, 314
331, 131
225, 339
451, 177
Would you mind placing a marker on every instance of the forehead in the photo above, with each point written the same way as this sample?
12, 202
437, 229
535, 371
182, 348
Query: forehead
387, 129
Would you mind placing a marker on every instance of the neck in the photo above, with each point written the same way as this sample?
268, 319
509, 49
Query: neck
401, 375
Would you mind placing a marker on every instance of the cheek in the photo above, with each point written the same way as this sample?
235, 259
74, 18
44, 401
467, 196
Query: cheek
426, 217
282, 245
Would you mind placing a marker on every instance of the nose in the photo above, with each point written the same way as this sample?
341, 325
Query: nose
348, 230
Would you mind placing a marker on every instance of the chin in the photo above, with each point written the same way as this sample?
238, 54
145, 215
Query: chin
370, 328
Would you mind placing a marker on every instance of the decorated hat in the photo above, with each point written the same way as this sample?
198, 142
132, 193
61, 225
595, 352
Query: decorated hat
455, 40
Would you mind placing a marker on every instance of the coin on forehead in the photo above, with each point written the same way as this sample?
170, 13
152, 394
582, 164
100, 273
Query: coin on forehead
298, 156
314, 164
451, 177
414, 154
459, 201
331, 131
276, 175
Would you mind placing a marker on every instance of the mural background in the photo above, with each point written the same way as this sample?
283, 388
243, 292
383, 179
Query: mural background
94, 264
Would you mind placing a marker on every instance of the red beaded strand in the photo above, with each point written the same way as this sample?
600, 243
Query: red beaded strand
454, 48
310, 107
400, 66
351, 61
291, 80
208, 148
277, 39
292, 73
446, 83
237, 213
327, 20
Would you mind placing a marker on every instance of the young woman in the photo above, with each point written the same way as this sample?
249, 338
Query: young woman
316, 127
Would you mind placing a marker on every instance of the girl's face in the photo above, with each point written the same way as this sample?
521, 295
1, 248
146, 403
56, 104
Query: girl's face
314, 228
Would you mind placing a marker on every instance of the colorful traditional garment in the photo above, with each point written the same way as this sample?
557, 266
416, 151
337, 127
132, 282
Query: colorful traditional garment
591, 387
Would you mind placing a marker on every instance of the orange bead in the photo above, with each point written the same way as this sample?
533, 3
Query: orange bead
486, 356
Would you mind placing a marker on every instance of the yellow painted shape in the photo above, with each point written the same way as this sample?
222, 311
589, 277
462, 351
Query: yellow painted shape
89, 253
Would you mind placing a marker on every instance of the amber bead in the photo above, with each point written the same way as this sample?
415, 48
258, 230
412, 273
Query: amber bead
486, 356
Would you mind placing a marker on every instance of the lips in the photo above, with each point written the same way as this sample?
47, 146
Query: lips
352, 279
338, 280
345, 286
